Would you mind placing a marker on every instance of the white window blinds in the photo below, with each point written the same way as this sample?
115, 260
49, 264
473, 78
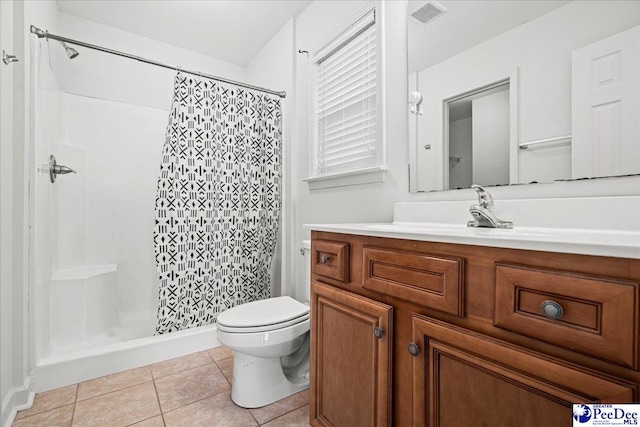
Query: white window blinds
346, 136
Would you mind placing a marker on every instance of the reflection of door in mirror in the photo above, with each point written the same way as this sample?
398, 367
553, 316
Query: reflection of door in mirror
478, 138
606, 106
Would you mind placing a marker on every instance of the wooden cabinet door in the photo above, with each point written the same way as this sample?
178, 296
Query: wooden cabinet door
350, 359
462, 378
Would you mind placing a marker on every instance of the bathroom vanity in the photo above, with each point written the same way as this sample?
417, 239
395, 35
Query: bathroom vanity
410, 329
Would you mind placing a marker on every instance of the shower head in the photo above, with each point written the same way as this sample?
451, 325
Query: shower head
71, 52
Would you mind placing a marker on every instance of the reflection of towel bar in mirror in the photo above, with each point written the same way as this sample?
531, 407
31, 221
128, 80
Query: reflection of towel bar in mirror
525, 145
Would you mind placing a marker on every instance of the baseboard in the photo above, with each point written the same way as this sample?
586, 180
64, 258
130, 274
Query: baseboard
17, 399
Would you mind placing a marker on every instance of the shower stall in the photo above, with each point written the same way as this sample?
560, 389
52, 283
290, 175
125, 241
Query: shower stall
94, 280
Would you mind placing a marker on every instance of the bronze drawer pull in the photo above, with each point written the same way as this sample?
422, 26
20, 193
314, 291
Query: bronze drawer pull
551, 309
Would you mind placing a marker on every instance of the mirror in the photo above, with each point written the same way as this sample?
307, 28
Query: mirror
522, 91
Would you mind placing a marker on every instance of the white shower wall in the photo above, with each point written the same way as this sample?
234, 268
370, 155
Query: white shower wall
118, 148
46, 132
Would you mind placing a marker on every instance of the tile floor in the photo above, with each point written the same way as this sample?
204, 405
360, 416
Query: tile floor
194, 390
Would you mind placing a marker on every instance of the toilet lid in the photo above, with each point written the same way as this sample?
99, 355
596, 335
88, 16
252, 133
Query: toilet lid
265, 314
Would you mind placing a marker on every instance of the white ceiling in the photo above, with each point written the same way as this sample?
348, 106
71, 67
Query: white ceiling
230, 30
236, 30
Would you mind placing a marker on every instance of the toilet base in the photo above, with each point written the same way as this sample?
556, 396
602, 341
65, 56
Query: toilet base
260, 381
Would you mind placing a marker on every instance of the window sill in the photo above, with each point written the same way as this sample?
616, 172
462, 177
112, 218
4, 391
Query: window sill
361, 176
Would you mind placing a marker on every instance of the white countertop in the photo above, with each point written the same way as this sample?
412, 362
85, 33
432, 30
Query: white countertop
613, 243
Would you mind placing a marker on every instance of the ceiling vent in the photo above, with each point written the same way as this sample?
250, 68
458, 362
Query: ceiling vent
427, 11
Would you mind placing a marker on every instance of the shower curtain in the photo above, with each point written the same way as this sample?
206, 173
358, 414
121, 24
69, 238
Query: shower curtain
217, 202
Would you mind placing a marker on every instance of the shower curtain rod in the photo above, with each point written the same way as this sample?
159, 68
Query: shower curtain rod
45, 34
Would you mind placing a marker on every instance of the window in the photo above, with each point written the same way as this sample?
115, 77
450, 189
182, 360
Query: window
347, 137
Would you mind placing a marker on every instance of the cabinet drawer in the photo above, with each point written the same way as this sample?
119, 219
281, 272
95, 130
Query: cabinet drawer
599, 315
330, 259
431, 281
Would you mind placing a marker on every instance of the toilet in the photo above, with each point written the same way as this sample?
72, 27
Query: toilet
270, 343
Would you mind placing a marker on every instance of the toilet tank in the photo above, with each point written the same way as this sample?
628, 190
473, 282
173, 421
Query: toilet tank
306, 282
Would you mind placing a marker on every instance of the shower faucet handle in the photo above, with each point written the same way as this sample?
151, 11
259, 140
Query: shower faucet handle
56, 169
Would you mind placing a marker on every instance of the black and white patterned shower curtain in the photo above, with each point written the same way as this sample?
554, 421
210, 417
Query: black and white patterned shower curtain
218, 201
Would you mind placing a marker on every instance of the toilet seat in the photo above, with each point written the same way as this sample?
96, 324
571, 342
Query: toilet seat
262, 316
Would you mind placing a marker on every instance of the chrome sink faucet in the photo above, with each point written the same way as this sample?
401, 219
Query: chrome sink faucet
483, 211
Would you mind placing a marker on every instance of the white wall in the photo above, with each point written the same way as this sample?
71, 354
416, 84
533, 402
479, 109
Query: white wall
109, 77
366, 202
273, 68
16, 385
6, 133
8, 314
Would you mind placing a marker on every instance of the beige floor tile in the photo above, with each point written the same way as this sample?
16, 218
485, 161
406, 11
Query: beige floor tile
179, 364
114, 382
190, 386
281, 407
216, 411
151, 422
226, 366
59, 417
219, 353
50, 400
297, 418
119, 408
